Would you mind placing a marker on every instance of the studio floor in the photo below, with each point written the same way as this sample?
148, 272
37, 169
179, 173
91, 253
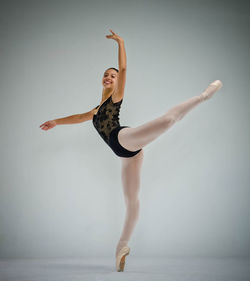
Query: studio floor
136, 269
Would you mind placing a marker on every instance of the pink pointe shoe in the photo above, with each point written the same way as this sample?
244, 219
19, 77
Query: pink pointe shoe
211, 89
120, 259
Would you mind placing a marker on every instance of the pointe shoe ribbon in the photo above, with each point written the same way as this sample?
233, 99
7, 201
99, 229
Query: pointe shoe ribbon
120, 259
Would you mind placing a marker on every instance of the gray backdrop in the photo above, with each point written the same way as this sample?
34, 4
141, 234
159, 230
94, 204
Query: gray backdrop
61, 192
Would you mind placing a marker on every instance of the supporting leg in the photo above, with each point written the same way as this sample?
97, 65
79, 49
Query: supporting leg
131, 169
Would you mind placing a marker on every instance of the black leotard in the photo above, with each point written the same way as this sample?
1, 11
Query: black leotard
106, 122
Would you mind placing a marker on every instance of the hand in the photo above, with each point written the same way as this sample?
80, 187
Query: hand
48, 125
114, 36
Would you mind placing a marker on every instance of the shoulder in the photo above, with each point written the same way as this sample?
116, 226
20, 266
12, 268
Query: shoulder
94, 110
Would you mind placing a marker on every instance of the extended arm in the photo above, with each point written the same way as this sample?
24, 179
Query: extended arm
72, 119
76, 118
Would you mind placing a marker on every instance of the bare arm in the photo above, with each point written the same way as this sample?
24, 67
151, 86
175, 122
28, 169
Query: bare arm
122, 71
122, 58
72, 119
76, 118
122, 61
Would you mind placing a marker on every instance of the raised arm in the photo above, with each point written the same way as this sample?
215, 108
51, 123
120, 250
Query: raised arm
122, 61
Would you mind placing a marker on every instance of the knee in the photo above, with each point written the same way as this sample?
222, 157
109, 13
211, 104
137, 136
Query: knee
132, 201
169, 120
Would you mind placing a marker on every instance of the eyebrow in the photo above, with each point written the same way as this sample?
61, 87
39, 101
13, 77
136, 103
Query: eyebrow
108, 73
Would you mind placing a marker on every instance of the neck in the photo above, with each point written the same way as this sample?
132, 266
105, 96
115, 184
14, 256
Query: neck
107, 93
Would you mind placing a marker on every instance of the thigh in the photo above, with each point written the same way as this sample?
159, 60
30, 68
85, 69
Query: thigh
117, 148
138, 137
131, 173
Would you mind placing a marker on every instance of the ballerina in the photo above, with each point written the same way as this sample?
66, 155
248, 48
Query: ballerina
127, 142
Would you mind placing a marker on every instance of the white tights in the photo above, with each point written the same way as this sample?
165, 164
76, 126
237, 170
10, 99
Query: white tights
138, 137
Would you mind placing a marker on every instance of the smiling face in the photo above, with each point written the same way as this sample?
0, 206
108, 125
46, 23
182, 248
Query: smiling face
109, 79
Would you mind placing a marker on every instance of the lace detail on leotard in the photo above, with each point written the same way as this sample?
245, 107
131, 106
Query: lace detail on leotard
107, 118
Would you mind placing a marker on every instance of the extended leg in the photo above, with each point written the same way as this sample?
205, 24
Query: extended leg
138, 137
131, 169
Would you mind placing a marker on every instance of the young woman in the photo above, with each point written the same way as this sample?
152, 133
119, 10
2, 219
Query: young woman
126, 142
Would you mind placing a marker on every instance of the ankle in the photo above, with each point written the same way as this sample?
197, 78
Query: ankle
120, 245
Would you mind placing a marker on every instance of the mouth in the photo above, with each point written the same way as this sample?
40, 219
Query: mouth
107, 83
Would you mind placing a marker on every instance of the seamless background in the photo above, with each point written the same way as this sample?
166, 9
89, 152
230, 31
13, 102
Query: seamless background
60, 190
